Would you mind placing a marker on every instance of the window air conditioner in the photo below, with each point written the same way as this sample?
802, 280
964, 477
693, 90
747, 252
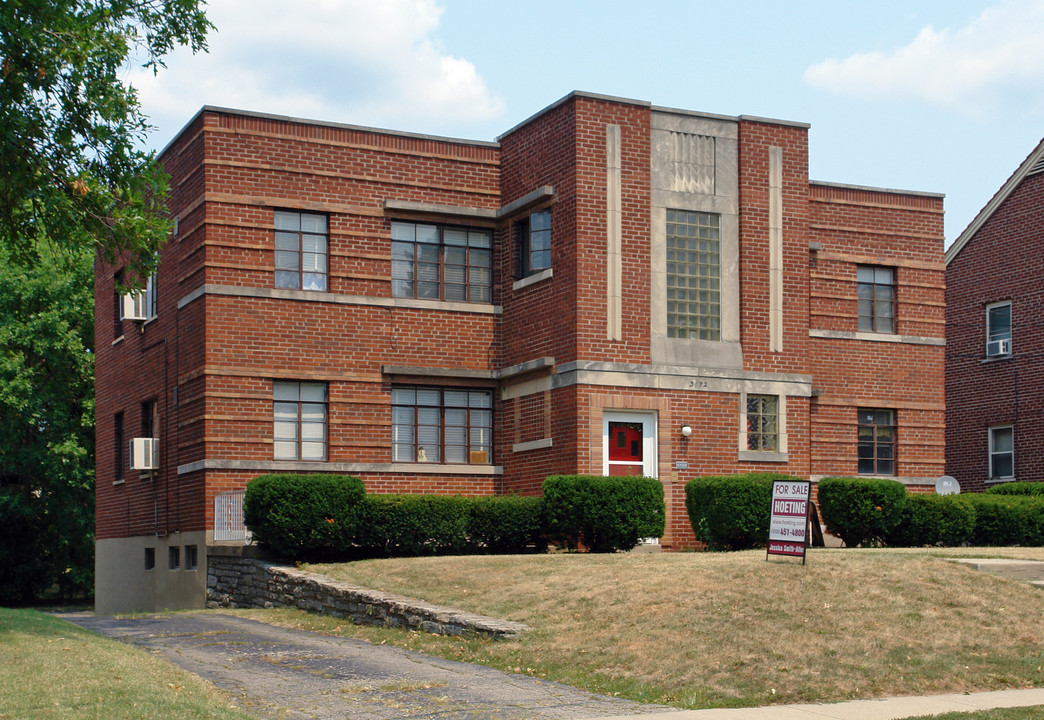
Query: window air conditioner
998, 347
144, 454
134, 306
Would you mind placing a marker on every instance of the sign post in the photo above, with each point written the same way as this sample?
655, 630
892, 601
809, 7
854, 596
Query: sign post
788, 523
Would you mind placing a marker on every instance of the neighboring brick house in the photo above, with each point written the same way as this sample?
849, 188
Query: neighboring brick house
451, 316
995, 337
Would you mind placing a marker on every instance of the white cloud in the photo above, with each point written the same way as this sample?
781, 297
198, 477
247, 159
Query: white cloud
367, 62
994, 64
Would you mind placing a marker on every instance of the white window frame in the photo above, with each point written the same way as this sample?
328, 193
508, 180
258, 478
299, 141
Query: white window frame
990, 435
997, 346
650, 446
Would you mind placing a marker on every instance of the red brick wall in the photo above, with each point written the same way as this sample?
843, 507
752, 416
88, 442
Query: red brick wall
1003, 261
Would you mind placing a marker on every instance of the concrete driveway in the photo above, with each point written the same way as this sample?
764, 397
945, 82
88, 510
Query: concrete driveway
280, 673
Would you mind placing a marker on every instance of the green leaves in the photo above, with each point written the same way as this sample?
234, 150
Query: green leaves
71, 130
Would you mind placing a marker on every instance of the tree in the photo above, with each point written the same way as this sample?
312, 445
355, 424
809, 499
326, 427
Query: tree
71, 131
47, 426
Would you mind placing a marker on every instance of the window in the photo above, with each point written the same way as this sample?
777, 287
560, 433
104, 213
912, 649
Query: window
150, 419
693, 275
117, 448
300, 251
117, 315
876, 293
998, 329
763, 423
150, 558
876, 447
441, 263
151, 309
534, 243
1002, 452
173, 558
299, 411
435, 425
191, 557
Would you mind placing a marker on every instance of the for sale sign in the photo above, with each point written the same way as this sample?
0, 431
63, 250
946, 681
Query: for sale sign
788, 523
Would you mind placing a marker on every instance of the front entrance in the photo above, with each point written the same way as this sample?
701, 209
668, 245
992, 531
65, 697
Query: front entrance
628, 443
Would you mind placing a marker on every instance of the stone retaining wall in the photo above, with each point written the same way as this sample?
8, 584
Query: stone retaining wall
248, 582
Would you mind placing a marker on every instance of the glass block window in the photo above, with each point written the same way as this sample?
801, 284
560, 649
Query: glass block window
693, 275
763, 423
299, 416
300, 251
876, 447
442, 425
876, 293
441, 263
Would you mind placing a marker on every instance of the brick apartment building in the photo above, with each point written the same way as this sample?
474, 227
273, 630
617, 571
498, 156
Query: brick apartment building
611, 287
995, 337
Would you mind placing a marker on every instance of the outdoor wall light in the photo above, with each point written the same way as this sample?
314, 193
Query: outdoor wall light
686, 430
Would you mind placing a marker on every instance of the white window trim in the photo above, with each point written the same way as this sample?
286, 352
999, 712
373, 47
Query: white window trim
748, 455
990, 307
650, 445
989, 458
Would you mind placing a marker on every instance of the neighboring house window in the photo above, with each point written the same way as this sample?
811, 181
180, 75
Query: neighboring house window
534, 242
299, 417
300, 250
1002, 452
876, 293
693, 275
150, 419
117, 315
876, 447
445, 426
151, 301
998, 329
763, 423
117, 448
441, 263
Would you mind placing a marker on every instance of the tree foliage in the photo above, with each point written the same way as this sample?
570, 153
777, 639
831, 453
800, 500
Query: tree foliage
46, 426
71, 130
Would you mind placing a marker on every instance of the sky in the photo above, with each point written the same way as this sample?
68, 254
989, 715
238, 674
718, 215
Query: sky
943, 96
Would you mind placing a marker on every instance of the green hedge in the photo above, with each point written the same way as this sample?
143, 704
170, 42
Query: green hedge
1007, 519
933, 520
414, 524
1017, 488
605, 514
507, 524
861, 511
732, 512
301, 516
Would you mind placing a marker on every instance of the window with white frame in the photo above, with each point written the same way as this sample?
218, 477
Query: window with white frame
1002, 452
441, 263
299, 417
300, 250
998, 329
439, 425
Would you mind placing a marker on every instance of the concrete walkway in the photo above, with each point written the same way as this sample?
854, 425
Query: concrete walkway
884, 709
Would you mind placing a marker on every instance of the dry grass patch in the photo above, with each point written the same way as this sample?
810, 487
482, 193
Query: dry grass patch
709, 629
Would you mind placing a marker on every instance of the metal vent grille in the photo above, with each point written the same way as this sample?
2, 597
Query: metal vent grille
228, 517
1037, 167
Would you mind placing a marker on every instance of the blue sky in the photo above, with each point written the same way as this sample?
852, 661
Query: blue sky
940, 96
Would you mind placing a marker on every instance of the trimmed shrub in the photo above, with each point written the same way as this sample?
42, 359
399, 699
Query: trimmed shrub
410, 525
304, 516
732, 512
933, 520
1007, 519
861, 511
1017, 488
605, 514
507, 524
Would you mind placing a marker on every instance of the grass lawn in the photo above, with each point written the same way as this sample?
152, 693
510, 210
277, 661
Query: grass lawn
711, 630
50, 668
1027, 713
